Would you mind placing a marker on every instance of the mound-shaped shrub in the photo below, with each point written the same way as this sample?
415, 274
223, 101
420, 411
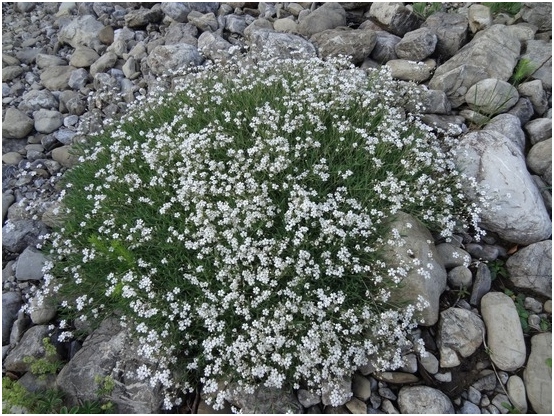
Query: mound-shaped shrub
235, 225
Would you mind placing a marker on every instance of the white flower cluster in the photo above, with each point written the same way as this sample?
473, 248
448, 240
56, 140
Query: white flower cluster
236, 224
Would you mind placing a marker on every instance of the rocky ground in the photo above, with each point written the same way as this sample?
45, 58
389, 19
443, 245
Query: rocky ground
67, 67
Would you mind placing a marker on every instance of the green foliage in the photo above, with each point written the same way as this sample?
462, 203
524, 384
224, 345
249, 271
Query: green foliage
548, 362
105, 385
49, 364
498, 269
519, 301
511, 8
523, 70
511, 408
423, 10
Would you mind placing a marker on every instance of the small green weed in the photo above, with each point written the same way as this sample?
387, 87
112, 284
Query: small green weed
49, 364
548, 362
511, 408
498, 269
423, 10
511, 8
523, 70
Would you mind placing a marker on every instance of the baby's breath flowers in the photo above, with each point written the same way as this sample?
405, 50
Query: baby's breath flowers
235, 225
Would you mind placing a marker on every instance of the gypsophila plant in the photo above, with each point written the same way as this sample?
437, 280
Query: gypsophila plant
235, 225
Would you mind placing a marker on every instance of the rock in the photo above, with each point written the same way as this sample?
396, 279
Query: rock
83, 57
45, 61
204, 22
56, 78
476, 61
7, 199
104, 351
504, 333
29, 265
394, 17
486, 382
165, 58
237, 24
307, 398
538, 374
460, 277
479, 17
531, 268
460, 332
356, 406
11, 302
538, 14
452, 256
516, 390
432, 102
484, 251
214, 47
43, 313
78, 79
416, 45
285, 25
9, 73
105, 62
536, 94
423, 399
385, 47
106, 35
482, 284
357, 44
82, 31
64, 157
179, 11
469, 408
410, 70
413, 285
265, 400
361, 387
388, 407
396, 377
539, 130
451, 30
282, 45
47, 121
327, 16
539, 52
16, 124
491, 96
509, 126
336, 393
430, 363
38, 99
31, 345
19, 234
539, 158
140, 18
496, 163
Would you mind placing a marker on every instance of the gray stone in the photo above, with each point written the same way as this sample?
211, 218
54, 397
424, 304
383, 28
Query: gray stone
460, 277
56, 78
538, 130
237, 24
19, 327
423, 399
83, 57
214, 47
81, 31
493, 54
538, 374
282, 45
536, 94
469, 408
9, 73
31, 345
538, 14
44, 60
532, 304
453, 256
204, 22
531, 268
460, 332
38, 99
78, 78
42, 313
430, 363
455, 125
497, 164
516, 390
16, 124
410, 70
491, 96
357, 44
179, 11
394, 17
361, 387
509, 126
47, 121
327, 16
504, 334
539, 52
105, 62
11, 302
142, 17
107, 348
176, 33
523, 110
388, 408
539, 158
307, 398
29, 265
433, 102
12, 158
64, 156
356, 406
7, 199
413, 285
106, 35
19, 234
265, 400
484, 251
479, 17
417, 44
384, 49
482, 284
485, 383
285, 25
451, 30
166, 58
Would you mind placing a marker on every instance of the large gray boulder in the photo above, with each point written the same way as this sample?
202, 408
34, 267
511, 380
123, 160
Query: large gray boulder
509, 126
517, 212
538, 374
179, 11
165, 58
31, 345
19, 234
491, 54
280, 45
265, 400
394, 17
82, 31
104, 351
531, 268
355, 43
11, 302
417, 44
16, 124
424, 399
328, 16
29, 265
491, 96
414, 285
